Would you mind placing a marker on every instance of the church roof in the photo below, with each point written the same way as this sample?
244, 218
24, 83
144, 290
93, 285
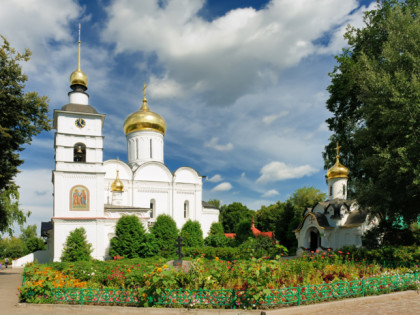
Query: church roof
208, 205
355, 218
109, 207
45, 227
79, 108
320, 218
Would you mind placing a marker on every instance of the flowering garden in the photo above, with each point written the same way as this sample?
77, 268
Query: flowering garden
217, 283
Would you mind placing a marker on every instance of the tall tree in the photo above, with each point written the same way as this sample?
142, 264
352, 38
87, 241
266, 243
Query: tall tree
129, 237
165, 232
192, 234
22, 116
76, 247
375, 101
231, 215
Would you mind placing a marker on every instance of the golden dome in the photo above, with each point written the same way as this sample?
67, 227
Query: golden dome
144, 119
117, 184
78, 76
338, 170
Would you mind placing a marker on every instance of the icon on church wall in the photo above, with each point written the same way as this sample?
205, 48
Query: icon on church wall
79, 198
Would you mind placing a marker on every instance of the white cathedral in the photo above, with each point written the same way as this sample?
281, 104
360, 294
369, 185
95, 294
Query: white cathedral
94, 194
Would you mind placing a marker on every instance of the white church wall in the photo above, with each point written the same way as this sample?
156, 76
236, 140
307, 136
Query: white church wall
63, 183
187, 175
143, 146
94, 235
66, 124
339, 188
153, 172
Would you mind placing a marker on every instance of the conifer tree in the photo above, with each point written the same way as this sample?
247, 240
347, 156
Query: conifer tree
165, 233
77, 247
192, 234
130, 236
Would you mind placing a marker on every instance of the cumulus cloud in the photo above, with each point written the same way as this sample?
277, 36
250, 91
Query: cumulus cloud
267, 120
223, 187
277, 171
215, 179
213, 143
228, 56
271, 193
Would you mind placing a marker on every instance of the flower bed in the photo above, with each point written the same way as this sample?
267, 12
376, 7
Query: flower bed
212, 283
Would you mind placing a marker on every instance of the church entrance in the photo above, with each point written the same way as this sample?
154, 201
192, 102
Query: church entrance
315, 240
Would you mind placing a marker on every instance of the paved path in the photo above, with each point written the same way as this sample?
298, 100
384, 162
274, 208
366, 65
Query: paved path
396, 303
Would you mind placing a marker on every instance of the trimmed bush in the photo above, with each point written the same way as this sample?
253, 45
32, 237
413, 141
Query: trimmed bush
192, 234
77, 247
243, 231
165, 232
129, 239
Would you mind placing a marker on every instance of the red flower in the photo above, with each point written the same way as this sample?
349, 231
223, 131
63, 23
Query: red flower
340, 252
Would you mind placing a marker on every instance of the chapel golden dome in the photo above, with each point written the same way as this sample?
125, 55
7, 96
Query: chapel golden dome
117, 184
144, 119
338, 170
78, 76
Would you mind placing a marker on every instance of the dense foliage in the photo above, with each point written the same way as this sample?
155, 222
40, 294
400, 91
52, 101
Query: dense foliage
76, 247
23, 115
230, 215
375, 102
216, 237
28, 242
192, 234
165, 233
129, 238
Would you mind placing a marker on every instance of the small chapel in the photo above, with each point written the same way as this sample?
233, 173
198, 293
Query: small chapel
336, 222
94, 194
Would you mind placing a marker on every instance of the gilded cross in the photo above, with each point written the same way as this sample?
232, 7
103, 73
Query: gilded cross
144, 90
338, 148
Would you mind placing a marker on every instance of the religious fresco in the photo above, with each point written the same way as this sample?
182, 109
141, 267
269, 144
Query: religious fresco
79, 198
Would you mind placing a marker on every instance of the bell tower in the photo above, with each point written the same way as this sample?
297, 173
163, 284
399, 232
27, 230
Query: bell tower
78, 177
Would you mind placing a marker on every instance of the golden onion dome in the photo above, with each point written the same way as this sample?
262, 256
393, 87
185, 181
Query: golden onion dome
78, 76
144, 119
338, 170
117, 184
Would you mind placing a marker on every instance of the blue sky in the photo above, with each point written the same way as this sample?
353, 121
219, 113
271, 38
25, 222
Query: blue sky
241, 85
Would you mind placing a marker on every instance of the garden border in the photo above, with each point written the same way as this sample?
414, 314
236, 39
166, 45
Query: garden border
231, 298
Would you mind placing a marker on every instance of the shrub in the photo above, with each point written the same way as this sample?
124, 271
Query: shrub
76, 247
262, 246
218, 241
243, 231
192, 234
216, 228
165, 232
129, 239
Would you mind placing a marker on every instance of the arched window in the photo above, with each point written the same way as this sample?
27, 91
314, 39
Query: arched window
331, 191
137, 148
186, 209
152, 208
344, 190
79, 152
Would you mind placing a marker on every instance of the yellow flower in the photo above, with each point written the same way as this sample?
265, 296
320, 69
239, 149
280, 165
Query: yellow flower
159, 269
217, 258
128, 270
164, 266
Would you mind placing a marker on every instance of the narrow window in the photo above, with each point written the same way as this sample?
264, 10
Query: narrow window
331, 190
344, 189
186, 214
151, 155
137, 149
152, 208
79, 153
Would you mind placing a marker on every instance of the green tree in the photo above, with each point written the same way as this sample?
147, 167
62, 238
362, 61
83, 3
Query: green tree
31, 240
267, 217
23, 115
12, 247
129, 238
243, 231
375, 102
76, 247
165, 232
192, 234
231, 214
216, 237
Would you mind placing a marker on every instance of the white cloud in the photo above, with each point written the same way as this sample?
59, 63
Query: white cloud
271, 193
277, 171
215, 179
228, 56
223, 187
270, 118
213, 143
